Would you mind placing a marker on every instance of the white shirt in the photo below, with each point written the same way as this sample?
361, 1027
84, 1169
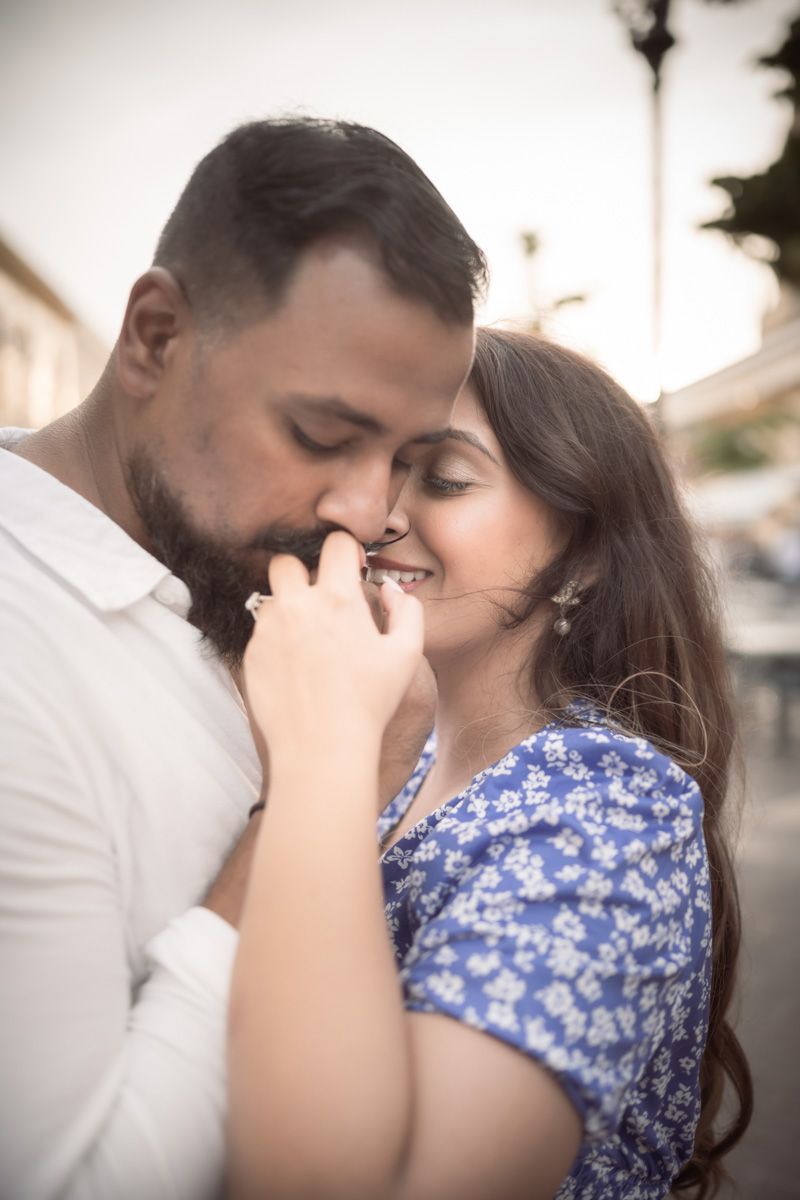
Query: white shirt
126, 772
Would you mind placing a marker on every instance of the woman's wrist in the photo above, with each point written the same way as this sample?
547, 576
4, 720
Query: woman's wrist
328, 738
317, 761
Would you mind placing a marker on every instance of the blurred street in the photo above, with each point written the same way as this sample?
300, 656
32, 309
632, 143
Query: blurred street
766, 1165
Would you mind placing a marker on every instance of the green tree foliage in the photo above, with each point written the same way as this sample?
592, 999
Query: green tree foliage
768, 204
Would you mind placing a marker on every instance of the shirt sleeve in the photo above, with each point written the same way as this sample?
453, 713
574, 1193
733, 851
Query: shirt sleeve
564, 908
108, 1092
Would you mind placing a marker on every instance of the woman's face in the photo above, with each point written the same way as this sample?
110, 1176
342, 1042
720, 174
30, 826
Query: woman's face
473, 536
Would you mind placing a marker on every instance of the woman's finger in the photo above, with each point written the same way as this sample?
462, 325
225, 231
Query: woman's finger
286, 574
340, 563
405, 620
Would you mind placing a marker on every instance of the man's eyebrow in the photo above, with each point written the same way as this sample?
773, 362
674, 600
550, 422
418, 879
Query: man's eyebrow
334, 406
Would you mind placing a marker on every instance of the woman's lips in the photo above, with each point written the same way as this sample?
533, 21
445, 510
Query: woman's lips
408, 577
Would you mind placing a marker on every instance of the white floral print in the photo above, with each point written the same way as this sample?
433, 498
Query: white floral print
561, 903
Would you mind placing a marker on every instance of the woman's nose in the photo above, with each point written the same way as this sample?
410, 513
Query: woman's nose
397, 523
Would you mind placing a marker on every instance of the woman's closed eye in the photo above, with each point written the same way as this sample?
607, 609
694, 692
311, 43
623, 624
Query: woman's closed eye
443, 486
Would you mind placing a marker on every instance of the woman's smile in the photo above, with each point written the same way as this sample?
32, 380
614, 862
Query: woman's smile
408, 577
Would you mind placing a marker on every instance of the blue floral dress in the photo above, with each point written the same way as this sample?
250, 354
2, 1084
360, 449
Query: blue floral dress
561, 903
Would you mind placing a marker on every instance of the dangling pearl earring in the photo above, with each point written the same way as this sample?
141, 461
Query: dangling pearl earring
566, 599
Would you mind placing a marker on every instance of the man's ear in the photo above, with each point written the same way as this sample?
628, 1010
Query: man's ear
157, 311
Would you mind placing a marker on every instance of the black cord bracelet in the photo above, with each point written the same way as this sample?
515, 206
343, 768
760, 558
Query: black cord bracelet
257, 807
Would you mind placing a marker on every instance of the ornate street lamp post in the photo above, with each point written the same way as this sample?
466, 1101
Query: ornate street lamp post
646, 21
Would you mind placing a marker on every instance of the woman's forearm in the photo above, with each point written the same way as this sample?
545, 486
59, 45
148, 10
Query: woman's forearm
319, 1058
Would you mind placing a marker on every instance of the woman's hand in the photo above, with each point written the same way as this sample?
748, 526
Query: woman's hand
316, 665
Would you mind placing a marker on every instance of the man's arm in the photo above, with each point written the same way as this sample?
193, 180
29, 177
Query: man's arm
105, 1093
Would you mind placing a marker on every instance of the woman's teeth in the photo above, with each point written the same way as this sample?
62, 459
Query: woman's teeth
378, 574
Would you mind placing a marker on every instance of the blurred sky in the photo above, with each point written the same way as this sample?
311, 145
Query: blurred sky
527, 114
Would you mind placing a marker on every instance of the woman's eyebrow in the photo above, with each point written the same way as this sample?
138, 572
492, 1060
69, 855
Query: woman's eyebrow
470, 439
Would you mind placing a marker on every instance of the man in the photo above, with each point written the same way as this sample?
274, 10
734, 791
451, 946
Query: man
300, 337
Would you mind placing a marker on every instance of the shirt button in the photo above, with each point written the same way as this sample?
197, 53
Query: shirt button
172, 593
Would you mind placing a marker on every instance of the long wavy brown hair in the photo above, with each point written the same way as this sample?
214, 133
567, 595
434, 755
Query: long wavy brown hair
645, 642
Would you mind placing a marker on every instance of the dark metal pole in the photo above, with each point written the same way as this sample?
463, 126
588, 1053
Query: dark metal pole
658, 241
650, 37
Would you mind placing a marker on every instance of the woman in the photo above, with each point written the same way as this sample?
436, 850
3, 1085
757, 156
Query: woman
546, 1016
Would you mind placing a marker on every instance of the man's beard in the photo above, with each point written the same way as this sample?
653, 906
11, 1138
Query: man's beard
218, 578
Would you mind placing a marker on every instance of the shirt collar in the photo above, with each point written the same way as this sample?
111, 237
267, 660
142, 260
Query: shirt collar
77, 541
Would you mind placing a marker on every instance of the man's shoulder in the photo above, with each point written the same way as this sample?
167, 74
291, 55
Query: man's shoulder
25, 576
12, 436
68, 545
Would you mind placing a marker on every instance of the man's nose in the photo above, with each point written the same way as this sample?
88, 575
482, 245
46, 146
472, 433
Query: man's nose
359, 503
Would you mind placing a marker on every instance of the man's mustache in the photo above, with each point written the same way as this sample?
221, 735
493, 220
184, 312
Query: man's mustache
307, 544
303, 544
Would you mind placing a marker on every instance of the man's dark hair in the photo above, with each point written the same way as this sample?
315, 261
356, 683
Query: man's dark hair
271, 188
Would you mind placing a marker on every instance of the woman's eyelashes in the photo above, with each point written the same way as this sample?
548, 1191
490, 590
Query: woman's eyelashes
442, 486
445, 475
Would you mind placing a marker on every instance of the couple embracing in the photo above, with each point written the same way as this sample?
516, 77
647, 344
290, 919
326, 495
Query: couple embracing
277, 915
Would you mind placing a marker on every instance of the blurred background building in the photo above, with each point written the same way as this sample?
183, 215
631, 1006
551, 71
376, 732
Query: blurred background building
49, 360
736, 436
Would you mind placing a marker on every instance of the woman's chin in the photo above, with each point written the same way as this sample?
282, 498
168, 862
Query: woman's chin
441, 649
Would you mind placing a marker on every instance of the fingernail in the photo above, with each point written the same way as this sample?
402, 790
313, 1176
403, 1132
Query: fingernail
392, 583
